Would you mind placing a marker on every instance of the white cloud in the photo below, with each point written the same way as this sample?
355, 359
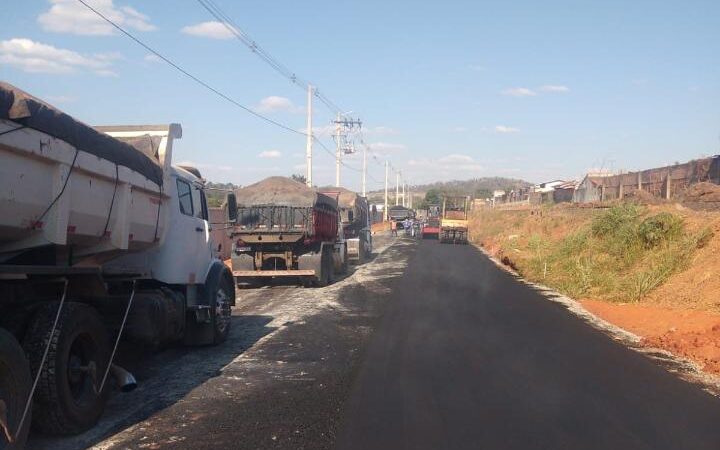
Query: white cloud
455, 158
275, 103
267, 154
212, 30
379, 131
387, 147
70, 16
519, 92
153, 58
506, 130
34, 57
557, 88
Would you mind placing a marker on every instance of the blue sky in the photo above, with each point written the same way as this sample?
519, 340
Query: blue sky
446, 90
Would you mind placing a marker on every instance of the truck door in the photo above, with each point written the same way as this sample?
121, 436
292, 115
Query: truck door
193, 227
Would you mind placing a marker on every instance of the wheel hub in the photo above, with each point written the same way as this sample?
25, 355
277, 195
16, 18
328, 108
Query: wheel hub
222, 310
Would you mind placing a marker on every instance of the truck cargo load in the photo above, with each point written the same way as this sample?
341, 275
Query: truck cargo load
285, 228
355, 219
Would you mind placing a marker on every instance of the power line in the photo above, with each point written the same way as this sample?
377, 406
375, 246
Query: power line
191, 76
263, 54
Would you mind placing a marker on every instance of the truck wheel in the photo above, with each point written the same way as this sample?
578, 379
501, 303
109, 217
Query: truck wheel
66, 401
14, 390
221, 310
325, 268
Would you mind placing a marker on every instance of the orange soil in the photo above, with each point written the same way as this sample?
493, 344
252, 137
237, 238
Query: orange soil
690, 333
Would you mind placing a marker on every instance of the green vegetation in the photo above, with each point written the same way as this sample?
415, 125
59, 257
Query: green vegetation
621, 253
215, 193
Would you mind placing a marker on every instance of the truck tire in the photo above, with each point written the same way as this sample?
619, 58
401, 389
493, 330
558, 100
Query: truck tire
323, 279
66, 401
15, 384
331, 266
221, 310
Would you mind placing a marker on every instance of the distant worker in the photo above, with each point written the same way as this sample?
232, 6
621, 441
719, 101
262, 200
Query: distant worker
393, 228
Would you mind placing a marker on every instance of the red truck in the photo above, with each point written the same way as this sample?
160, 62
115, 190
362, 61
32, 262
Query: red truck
431, 227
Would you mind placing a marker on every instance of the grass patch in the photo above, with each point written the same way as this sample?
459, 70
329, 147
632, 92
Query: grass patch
621, 253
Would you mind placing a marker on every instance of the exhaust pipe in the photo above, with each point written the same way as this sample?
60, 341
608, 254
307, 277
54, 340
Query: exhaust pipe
125, 380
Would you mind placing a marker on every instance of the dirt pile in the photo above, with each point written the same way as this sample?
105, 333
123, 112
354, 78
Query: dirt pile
643, 197
705, 196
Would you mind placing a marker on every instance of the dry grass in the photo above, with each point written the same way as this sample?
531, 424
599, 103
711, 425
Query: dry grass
622, 253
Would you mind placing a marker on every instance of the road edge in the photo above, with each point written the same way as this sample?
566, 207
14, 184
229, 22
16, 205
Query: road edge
684, 368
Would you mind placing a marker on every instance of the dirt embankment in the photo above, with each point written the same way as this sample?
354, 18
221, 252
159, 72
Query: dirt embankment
667, 294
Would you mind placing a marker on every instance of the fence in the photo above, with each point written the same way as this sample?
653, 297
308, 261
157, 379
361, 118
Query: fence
663, 182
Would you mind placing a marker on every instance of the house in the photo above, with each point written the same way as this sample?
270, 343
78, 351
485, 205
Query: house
544, 192
564, 192
590, 189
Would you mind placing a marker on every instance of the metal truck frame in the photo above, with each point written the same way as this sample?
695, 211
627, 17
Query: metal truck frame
65, 302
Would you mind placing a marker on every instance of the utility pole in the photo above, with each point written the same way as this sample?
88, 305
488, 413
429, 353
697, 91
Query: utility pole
404, 202
342, 145
385, 209
338, 143
397, 188
364, 171
409, 197
309, 143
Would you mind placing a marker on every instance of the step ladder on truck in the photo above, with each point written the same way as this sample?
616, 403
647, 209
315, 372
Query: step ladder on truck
101, 239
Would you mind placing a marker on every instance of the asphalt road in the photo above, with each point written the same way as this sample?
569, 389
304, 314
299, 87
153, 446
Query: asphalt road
426, 346
466, 357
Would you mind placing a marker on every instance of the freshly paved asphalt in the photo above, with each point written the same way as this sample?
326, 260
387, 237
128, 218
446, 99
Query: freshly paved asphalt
466, 357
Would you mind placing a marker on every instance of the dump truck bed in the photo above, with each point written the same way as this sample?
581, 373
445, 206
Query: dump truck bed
64, 183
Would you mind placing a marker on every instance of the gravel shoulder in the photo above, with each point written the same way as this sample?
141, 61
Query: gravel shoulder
278, 382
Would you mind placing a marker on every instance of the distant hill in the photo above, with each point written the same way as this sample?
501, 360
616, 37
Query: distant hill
476, 187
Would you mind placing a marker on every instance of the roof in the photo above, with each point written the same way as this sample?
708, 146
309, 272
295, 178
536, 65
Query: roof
31, 112
281, 191
568, 185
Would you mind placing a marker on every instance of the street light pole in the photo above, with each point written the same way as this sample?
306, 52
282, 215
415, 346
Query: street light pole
309, 142
385, 208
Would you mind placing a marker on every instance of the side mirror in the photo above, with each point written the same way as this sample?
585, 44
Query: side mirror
232, 209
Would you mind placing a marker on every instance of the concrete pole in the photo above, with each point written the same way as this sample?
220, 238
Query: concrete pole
668, 191
309, 143
385, 209
364, 171
397, 188
337, 151
404, 202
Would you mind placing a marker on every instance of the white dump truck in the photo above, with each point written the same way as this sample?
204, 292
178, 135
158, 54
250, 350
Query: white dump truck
100, 238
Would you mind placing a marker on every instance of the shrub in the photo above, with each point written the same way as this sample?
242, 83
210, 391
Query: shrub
616, 219
659, 228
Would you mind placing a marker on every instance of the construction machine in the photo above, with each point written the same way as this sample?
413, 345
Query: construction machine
454, 220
